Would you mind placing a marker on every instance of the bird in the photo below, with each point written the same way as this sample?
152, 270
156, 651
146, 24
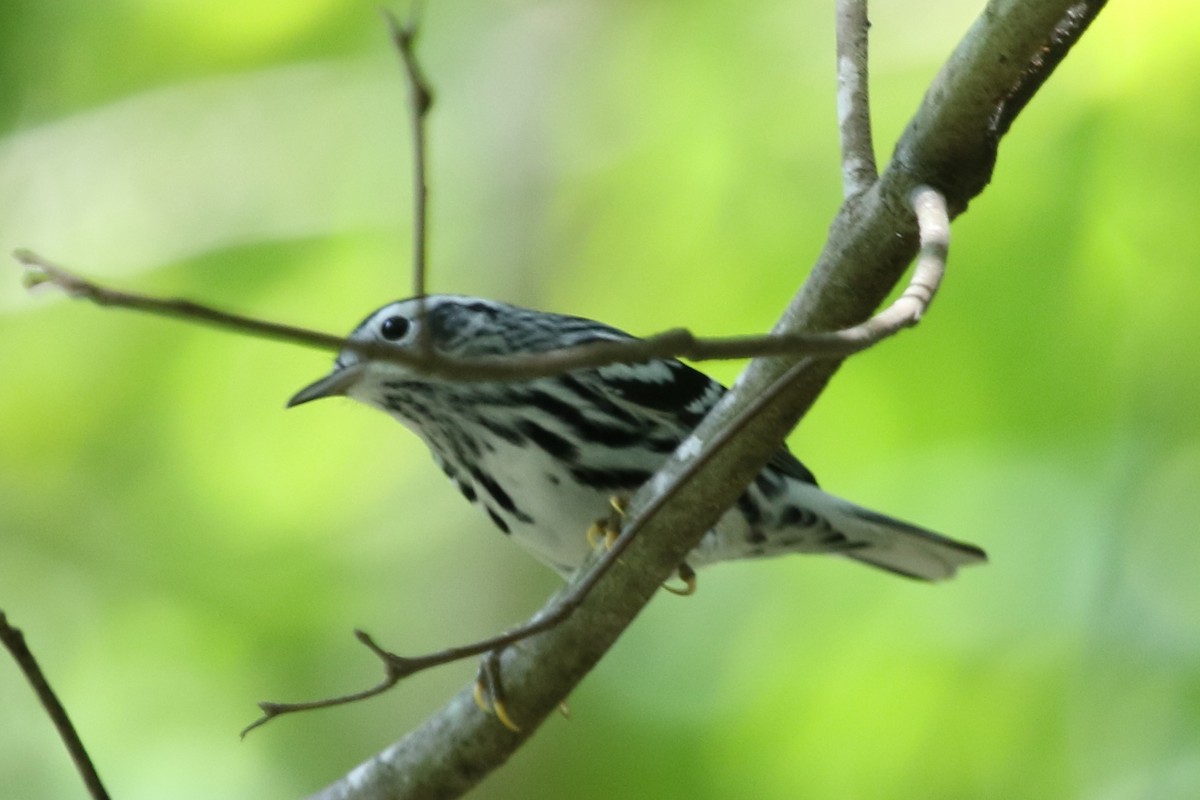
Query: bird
545, 457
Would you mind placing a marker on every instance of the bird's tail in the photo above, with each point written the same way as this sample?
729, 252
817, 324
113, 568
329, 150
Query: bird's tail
808, 519
890, 544
805, 519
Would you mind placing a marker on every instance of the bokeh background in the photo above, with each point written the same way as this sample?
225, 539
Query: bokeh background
176, 547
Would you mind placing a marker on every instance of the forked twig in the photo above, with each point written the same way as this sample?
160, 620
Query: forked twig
934, 224
14, 641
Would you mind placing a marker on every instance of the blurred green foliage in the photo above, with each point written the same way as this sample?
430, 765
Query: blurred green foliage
177, 548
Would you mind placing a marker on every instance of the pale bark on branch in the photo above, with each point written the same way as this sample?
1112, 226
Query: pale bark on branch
950, 144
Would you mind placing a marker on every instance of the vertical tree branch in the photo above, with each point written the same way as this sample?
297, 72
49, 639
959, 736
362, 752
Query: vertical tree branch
404, 38
853, 99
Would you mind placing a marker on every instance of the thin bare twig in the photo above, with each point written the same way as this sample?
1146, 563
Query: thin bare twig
934, 224
859, 172
14, 641
677, 342
404, 37
420, 100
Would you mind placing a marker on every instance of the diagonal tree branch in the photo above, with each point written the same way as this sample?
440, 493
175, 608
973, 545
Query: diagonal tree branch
950, 144
14, 641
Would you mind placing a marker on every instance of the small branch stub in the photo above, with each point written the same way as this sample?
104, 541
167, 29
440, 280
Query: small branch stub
859, 172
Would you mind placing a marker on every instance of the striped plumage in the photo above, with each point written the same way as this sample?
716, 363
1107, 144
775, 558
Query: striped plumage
542, 457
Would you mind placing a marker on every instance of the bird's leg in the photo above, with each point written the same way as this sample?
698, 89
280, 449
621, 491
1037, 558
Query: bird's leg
489, 691
609, 528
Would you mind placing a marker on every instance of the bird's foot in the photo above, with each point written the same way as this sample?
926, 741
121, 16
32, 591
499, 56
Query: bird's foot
608, 528
489, 691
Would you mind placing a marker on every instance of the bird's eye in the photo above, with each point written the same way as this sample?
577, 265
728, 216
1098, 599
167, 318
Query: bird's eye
394, 328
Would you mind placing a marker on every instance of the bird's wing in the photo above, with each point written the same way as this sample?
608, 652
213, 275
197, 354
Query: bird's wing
677, 397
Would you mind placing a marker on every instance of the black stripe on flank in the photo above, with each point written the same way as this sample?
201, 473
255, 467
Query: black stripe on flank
661, 445
749, 509
503, 431
496, 518
499, 495
551, 442
463, 445
614, 478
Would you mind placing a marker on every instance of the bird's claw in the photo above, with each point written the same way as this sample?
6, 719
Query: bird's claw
489, 692
688, 576
608, 528
597, 532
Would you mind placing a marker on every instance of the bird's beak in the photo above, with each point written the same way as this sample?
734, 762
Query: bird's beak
337, 382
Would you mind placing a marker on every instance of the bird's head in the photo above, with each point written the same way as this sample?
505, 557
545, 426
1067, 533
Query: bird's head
452, 325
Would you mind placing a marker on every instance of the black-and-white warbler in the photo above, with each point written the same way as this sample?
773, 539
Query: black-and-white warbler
542, 457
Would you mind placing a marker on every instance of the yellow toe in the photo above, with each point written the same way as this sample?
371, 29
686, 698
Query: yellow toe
502, 714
